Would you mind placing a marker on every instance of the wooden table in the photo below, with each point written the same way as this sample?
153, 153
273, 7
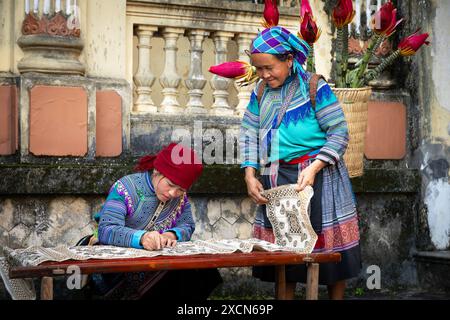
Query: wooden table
48, 270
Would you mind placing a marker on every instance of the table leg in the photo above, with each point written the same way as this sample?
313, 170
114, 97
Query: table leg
47, 288
312, 281
280, 284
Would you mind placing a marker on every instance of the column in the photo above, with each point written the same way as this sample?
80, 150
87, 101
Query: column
220, 84
144, 77
196, 80
170, 80
244, 41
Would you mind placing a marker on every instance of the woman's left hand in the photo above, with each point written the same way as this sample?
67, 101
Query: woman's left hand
307, 175
306, 178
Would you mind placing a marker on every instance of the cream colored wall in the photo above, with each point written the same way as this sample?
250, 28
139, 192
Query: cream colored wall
6, 41
19, 15
322, 47
102, 30
440, 46
11, 17
105, 38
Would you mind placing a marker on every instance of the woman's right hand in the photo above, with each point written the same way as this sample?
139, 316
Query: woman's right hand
254, 189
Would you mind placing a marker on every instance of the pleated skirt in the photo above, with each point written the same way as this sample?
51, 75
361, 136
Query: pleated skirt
333, 217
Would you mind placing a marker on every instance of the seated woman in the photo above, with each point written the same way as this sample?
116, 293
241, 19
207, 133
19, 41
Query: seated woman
150, 210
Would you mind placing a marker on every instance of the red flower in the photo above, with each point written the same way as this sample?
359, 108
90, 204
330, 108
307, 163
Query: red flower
308, 27
343, 13
229, 69
410, 45
385, 21
271, 14
305, 8
243, 72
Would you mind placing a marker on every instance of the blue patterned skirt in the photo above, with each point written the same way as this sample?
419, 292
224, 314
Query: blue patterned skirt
333, 216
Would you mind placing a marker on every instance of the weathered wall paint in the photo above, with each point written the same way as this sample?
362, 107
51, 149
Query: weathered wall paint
441, 50
105, 38
437, 157
438, 202
6, 44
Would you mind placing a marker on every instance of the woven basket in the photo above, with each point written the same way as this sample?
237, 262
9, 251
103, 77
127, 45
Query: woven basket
354, 102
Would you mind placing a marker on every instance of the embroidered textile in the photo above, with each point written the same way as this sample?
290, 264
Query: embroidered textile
33, 256
287, 211
19, 289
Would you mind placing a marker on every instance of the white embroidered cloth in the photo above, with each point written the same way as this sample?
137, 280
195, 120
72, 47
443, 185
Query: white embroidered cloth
287, 211
22, 289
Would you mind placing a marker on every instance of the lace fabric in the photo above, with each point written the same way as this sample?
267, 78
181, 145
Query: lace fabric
287, 211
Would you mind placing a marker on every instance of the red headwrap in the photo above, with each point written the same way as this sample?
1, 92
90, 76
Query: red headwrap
176, 162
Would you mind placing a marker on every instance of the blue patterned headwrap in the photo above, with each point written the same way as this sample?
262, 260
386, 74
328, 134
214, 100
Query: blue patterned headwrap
278, 40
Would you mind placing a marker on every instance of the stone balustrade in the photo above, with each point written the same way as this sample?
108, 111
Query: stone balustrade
230, 26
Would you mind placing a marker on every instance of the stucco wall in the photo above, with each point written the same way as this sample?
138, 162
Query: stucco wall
437, 196
6, 39
441, 72
104, 36
427, 79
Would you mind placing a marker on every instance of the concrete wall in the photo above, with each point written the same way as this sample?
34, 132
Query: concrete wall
427, 81
437, 192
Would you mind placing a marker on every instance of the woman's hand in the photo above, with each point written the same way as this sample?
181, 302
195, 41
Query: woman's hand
254, 187
307, 175
155, 241
169, 239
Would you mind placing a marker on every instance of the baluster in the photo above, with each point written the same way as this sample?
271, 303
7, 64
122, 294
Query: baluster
57, 6
144, 78
244, 41
36, 7
220, 84
196, 80
170, 80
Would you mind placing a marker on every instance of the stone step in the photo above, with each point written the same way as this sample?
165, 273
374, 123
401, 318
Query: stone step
432, 270
439, 256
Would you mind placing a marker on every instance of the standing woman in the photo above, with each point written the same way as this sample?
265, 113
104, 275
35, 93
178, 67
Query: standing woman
151, 210
305, 147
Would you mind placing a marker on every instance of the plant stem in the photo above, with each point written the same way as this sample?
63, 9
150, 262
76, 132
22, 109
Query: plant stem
383, 65
339, 63
344, 55
311, 67
373, 45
